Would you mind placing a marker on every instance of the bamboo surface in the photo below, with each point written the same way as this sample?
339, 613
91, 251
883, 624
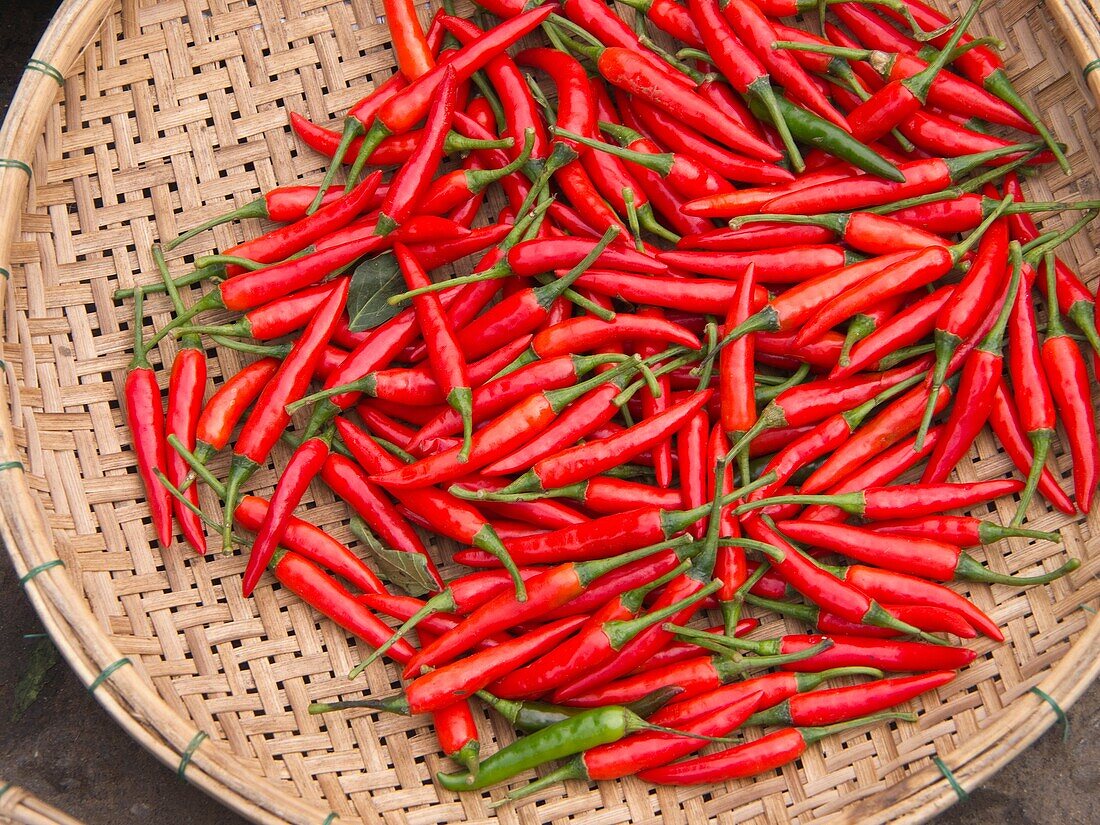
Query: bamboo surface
173, 111
20, 807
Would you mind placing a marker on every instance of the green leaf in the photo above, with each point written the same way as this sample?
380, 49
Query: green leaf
409, 571
373, 283
43, 659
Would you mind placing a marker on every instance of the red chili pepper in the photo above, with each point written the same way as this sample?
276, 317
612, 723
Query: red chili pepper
964, 531
587, 333
145, 418
751, 201
885, 654
924, 267
754, 29
287, 240
632, 73
654, 404
456, 728
545, 592
496, 439
929, 619
906, 328
708, 297
759, 756
773, 687
587, 460
926, 558
268, 419
1031, 387
818, 585
414, 57
756, 237
648, 749
1009, 429
899, 588
773, 266
275, 319
890, 426
694, 471
981, 373
601, 637
545, 255
1075, 300
864, 231
446, 358
1069, 384
505, 391
901, 98
403, 110
745, 70
887, 466
316, 588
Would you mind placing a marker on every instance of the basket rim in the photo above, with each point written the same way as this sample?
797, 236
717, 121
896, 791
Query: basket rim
138, 708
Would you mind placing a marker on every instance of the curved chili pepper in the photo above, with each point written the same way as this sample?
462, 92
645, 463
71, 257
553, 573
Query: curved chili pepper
755, 237
313, 544
287, 240
628, 71
927, 558
864, 231
774, 266
408, 105
269, 418
754, 29
1069, 384
759, 756
545, 592
1031, 387
974, 400
817, 585
887, 466
226, 407
584, 461
301, 469
927, 618
351, 484
615, 760
275, 319
878, 503
313, 586
906, 328
403, 608
414, 57
602, 636
898, 99
145, 418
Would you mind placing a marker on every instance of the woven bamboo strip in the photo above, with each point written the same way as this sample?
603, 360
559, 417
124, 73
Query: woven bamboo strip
21, 807
177, 111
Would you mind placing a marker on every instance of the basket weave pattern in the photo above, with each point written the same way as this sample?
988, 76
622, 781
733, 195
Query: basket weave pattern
177, 111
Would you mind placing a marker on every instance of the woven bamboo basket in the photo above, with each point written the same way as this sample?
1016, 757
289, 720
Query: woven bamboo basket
135, 121
20, 807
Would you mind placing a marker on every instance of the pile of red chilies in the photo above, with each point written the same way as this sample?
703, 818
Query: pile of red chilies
627, 414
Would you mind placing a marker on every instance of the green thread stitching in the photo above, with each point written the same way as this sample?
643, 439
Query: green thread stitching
1090, 67
34, 571
332, 817
106, 674
960, 791
189, 751
1058, 711
10, 465
12, 163
36, 65
6, 273
5, 788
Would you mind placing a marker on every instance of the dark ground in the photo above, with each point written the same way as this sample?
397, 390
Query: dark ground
69, 752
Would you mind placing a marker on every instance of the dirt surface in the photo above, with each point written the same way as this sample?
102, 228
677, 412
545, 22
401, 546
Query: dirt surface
68, 751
